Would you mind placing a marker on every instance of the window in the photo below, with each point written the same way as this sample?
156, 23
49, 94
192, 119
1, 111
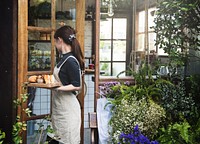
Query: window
113, 45
141, 30
140, 36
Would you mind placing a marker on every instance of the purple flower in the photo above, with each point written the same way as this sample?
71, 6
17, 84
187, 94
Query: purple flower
135, 138
106, 88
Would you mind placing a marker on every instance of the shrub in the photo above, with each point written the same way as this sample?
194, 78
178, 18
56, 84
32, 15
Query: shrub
144, 113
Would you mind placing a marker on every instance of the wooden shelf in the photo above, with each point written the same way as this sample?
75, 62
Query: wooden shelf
89, 71
41, 29
43, 85
41, 41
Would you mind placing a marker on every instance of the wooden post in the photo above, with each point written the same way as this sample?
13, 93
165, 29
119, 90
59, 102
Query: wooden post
97, 72
22, 52
97, 31
80, 24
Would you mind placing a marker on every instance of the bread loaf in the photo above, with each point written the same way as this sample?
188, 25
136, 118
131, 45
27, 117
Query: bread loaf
47, 79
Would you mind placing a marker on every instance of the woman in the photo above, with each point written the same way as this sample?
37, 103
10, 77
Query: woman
66, 112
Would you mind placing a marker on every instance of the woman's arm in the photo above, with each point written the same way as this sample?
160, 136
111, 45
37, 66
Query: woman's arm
69, 87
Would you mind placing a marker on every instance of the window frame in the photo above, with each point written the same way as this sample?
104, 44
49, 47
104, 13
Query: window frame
149, 31
128, 40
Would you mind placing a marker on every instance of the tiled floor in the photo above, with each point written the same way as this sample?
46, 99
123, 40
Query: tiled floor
87, 136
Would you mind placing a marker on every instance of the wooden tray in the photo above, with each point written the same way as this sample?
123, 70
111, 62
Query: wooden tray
43, 85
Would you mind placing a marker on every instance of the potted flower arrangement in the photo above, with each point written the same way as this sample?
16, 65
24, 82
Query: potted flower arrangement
134, 105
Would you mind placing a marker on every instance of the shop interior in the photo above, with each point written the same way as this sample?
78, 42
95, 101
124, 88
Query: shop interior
114, 35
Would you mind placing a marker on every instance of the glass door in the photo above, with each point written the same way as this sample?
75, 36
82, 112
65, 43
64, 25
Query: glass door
44, 17
41, 27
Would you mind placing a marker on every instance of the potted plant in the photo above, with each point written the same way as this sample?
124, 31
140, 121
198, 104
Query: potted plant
135, 105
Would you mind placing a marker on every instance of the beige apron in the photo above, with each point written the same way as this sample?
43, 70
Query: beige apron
66, 113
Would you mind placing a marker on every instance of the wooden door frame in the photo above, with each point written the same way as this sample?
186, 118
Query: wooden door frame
23, 49
80, 24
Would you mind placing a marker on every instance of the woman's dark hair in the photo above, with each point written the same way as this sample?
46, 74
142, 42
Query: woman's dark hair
67, 33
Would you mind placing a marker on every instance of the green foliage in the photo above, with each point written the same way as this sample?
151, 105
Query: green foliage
2, 136
17, 131
192, 87
195, 132
177, 28
151, 100
136, 105
145, 84
175, 101
177, 133
20, 126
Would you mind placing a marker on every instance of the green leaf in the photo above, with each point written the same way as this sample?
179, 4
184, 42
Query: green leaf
184, 9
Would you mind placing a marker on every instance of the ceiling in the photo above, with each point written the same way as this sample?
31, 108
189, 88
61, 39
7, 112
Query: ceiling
140, 3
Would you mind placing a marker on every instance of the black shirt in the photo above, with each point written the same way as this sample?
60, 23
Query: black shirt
70, 71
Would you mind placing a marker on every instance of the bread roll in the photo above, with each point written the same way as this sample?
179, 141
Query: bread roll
32, 79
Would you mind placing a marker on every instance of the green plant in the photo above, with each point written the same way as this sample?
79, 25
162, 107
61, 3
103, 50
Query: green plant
20, 125
2, 136
195, 132
126, 115
145, 85
175, 101
17, 131
175, 134
136, 105
177, 29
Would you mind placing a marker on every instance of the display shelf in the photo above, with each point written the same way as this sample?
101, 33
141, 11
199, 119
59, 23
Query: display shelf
39, 55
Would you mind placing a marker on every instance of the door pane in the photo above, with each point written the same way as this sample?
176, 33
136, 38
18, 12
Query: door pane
119, 28
140, 46
39, 51
105, 50
39, 13
37, 131
152, 38
141, 23
65, 12
119, 67
105, 29
106, 67
119, 50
